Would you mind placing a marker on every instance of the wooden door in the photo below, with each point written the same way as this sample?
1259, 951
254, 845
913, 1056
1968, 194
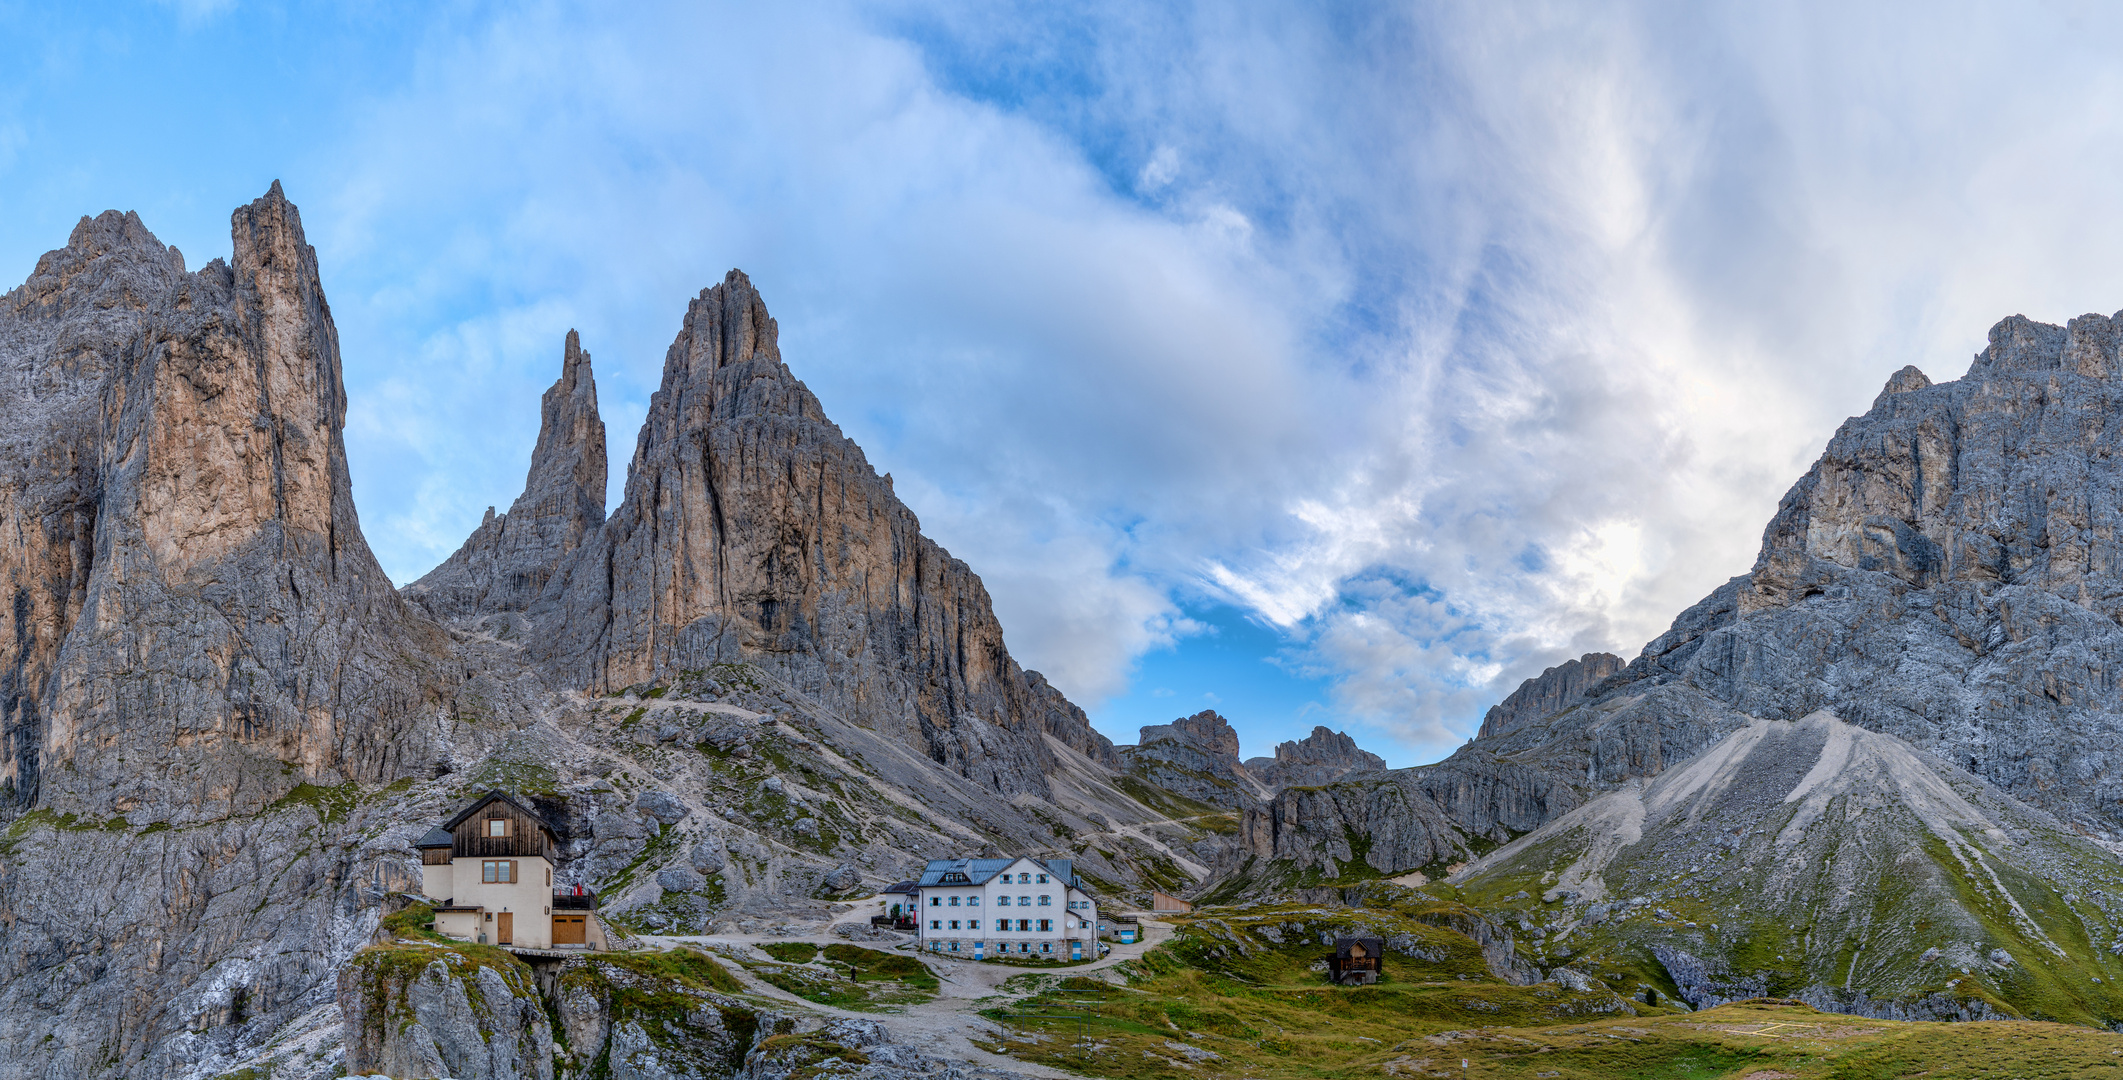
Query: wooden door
570, 930
504, 928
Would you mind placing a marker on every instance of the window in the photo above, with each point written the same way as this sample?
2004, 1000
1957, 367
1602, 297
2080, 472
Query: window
500, 871
972, 901
972, 924
936, 924
1046, 946
497, 826
1024, 924
1046, 925
936, 901
1024, 901
1043, 879
1046, 901
954, 924
954, 901
1024, 878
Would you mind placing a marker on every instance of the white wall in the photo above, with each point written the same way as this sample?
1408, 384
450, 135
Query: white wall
529, 900
985, 903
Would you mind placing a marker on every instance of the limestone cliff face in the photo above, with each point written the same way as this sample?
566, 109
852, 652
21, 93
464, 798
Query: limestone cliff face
1319, 758
193, 604
509, 559
63, 334
1549, 692
752, 530
1950, 572
1196, 757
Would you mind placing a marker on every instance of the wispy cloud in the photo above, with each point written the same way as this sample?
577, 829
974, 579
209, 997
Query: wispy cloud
1450, 341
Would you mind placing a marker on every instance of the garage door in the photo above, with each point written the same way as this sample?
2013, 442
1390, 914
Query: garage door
570, 929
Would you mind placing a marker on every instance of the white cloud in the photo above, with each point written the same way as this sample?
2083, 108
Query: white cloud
1454, 343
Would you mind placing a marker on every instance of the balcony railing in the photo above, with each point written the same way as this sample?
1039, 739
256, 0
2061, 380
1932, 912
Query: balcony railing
574, 898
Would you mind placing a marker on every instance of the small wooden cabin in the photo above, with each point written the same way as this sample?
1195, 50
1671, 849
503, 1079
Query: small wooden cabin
1357, 961
492, 867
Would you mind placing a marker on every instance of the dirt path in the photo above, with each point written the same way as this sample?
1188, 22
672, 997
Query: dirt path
944, 1026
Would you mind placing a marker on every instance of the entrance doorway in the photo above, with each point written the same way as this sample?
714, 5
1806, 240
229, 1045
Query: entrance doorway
504, 928
571, 930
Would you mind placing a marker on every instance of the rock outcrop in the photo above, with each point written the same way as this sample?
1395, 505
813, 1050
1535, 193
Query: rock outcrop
223, 728
194, 610
416, 1010
753, 531
1195, 757
1319, 758
507, 562
1549, 693
1950, 572
1822, 861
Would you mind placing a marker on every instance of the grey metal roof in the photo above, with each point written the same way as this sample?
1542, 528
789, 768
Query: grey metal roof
907, 887
436, 837
980, 871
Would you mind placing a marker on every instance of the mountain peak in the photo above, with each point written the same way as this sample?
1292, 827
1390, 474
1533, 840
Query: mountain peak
507, 561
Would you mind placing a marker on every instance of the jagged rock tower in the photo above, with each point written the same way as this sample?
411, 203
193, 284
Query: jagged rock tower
509, 560
753, 530
192, 604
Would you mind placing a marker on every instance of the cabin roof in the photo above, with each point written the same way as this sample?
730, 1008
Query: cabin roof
980, 871
503, 796
436, 837
906, 886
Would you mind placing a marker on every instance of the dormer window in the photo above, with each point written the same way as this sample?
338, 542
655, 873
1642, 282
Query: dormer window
497, 826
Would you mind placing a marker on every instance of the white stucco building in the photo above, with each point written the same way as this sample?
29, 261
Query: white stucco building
1018, 907
492, 866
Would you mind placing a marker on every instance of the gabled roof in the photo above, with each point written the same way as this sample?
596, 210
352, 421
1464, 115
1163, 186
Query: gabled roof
436, 837
980, 871
503, 796
907, 887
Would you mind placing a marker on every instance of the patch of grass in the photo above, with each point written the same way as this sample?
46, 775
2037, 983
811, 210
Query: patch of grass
1162, 801
790, 952
847, 976
335, 803
685, 966
872, 965
413, 921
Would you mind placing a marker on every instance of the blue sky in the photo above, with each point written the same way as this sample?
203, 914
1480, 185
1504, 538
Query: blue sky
1321, 363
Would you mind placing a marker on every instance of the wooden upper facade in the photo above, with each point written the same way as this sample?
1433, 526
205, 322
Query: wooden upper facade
495, 827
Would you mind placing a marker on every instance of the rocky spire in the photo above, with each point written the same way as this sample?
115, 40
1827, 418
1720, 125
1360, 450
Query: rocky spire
227, 621
1319, 758
753, 530
1197, 757
1550, 692
508, 560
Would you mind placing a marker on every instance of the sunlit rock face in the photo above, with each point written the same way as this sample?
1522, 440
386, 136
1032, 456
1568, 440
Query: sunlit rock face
752, 530
1950, 572
224, 728
196, 621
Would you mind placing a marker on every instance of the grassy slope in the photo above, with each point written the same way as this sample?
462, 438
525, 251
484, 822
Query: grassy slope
1226, 999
